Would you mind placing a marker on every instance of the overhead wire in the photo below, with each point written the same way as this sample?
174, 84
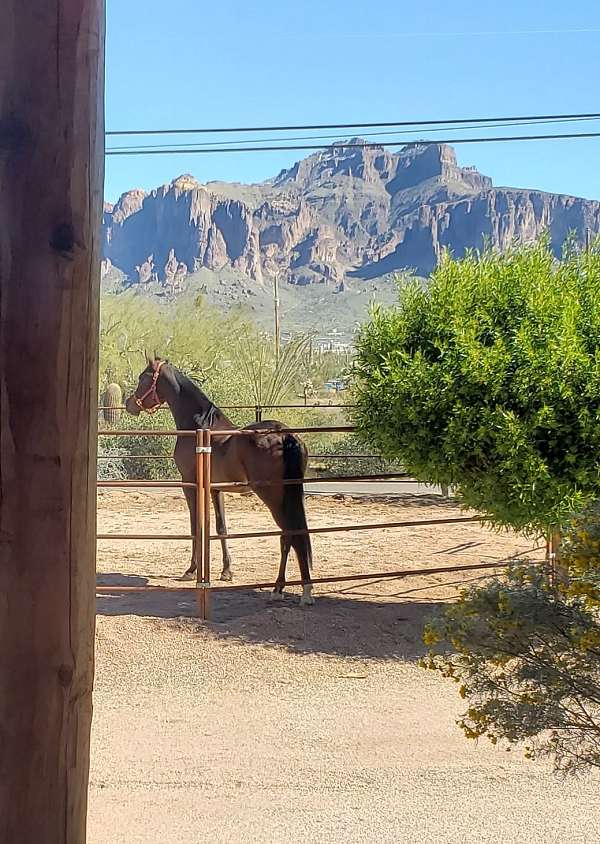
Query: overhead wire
363, 125
345, 145
334, 137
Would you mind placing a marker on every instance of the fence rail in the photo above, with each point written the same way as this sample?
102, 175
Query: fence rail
258, 409
344, 578
202, 536
315, 456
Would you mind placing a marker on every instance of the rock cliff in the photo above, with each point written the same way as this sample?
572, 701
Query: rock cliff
338, 214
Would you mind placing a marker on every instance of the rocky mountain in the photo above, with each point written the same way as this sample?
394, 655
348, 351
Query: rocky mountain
338, 218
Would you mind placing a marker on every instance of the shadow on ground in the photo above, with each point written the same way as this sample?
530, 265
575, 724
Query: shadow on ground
407, 499
338, 625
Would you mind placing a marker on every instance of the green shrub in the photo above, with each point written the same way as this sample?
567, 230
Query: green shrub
527, 662
126, 448
489, 381
350, 444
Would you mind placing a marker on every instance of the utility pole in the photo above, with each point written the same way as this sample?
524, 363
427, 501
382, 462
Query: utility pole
276, 314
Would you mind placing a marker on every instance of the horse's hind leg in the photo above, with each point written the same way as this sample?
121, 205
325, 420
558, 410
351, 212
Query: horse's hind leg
190, 497
277, 593
302, 552
218, 501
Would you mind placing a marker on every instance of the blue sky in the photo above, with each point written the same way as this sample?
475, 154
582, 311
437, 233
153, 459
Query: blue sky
193, 63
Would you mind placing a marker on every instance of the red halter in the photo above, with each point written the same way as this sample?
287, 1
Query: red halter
151, 391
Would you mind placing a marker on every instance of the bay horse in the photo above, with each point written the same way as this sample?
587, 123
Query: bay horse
271, 454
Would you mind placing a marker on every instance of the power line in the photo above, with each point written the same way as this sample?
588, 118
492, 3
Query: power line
367, 125
334, 137
344, 146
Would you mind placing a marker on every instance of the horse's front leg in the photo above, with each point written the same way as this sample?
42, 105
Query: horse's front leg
190, 497
218, 501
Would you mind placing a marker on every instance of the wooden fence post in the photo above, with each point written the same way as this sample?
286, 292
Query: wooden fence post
199, 532
206, 527
51, 182
560, 573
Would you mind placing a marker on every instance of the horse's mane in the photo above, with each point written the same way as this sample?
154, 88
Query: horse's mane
208, 412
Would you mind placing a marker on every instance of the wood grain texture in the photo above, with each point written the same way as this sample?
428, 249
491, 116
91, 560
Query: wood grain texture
51, 181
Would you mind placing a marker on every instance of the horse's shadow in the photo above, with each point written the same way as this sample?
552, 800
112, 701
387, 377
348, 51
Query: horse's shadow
160, 604
338, 625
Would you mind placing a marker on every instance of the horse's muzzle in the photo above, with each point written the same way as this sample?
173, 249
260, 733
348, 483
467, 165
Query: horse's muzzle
132, 407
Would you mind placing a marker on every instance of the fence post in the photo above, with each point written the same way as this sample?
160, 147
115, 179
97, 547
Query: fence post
258, 411
206, 525
559, 572
199, 527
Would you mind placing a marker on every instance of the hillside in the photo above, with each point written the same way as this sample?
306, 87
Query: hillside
335, 228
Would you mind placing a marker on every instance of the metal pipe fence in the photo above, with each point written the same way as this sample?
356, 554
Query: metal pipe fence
202, 537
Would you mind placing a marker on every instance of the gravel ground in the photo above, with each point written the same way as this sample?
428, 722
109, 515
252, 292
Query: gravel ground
274, 723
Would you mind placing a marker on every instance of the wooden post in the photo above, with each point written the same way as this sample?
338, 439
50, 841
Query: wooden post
206, 527
276, 315
199, 532
51, 181
559, 572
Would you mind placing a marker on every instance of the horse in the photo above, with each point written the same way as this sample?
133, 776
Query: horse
271, 453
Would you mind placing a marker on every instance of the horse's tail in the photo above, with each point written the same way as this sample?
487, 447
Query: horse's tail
294, 465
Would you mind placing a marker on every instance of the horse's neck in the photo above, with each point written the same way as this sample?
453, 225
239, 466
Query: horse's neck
192, 409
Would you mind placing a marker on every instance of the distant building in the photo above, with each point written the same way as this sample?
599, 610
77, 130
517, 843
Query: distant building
324, 344
335, 386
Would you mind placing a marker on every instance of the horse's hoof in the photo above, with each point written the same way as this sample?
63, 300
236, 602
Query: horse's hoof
189, 575
307, 599
276, 596
226, 575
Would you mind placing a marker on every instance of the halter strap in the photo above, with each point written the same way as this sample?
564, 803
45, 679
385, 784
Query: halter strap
151, 391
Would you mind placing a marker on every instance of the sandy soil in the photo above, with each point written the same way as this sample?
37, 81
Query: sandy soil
275, 723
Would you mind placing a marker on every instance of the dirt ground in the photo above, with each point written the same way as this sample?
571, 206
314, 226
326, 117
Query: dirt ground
277, 723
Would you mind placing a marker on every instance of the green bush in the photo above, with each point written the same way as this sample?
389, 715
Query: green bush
488, 381
110, 463
125, 448
527, 662
580, 556
350, 444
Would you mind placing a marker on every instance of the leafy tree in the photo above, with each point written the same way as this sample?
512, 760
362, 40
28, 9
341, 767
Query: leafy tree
195, 336
488, 380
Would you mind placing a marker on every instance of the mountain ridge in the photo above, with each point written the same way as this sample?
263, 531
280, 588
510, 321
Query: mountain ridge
341, 217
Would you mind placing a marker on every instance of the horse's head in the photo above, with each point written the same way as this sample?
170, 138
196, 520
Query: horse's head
150, 392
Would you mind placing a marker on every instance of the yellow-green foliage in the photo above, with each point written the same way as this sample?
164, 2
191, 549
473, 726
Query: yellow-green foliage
527, 660
580, 554
196, 338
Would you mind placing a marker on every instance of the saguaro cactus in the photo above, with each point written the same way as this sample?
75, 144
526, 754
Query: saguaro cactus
112, 401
